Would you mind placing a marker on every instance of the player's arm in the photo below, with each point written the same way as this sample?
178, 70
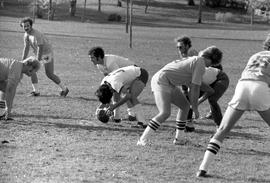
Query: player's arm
39, 51
125, 96
25, 48
208, 91
194, 95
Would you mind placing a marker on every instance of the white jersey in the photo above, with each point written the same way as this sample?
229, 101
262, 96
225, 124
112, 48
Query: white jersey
210, 75
113, 62
122, 76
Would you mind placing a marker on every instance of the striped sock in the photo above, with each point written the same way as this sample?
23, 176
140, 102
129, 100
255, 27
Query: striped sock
211, 150
2, 104
180, 125
154, 125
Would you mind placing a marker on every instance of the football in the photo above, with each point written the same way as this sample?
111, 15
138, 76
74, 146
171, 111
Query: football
102, 116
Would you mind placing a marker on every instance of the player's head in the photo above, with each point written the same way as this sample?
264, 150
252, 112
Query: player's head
30, 65
104, 94
26, 23
213, 54
266, 43
183, 44
96, 55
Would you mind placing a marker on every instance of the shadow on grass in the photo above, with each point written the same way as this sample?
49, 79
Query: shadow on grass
210, 176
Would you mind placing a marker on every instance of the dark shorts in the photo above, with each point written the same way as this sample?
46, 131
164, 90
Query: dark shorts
144, 76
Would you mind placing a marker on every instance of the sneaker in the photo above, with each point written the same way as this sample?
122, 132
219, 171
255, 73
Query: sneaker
64, 92
139, 125
201, 173
34, 94
189, 129
116, 120
179, 142
141, 143
132, 118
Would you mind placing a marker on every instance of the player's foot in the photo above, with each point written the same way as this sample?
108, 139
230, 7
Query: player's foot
116, 120
64, 92
189, 126
132, 118
139, 125
141, 143
34, 94
3, 117
201, 173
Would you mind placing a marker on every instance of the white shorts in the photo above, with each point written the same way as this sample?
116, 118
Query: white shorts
251, 96
159, 83
46, 58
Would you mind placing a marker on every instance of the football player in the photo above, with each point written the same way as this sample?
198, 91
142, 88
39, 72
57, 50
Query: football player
107, 63
128, 83
43, 52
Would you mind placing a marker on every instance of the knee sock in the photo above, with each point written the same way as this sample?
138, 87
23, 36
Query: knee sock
212, 149
152, 127
62, 86
116, 113
139, 115
131, 112
35, 87
180, 126
2, 104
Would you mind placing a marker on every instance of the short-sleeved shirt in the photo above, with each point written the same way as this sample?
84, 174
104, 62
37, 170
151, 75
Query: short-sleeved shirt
184, 71
113, 62
122, 76
258, 68
36, 38
10, 70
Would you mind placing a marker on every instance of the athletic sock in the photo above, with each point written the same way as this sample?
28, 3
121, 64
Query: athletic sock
2, 104
35, 87
116, 113
137, 109
211, 150
63, 88
152, 127
180, 126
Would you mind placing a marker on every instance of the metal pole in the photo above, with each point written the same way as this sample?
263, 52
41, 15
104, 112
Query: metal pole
130, 26
34, 9
127, 16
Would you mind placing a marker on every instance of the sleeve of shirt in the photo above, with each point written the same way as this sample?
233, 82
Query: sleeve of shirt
198, 71
15, 73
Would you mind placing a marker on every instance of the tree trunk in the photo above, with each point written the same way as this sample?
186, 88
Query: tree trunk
191, 3
72, 9
200, 12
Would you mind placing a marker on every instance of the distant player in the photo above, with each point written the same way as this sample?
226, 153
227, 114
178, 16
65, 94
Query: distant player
164, 84
252, 93
43, 51
107, 63
11, 73
128, 83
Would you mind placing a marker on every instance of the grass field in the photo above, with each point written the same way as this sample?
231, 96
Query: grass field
59, 140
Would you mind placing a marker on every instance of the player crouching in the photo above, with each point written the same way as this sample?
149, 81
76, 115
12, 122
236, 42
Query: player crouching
128, 83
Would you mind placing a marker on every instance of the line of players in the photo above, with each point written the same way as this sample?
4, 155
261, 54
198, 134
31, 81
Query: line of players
179, 82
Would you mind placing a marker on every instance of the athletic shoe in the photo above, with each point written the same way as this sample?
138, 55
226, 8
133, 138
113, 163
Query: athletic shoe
116, 120
132, 118
139, 125
64, 92
3, 117
34, 94
141, 143
201, 173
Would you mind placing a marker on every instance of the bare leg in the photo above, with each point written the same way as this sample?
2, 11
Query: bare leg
265, 115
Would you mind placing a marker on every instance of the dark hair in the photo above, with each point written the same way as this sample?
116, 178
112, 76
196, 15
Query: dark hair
97, 52
104, 94
266, 43
185, 39
26, 19
212, 53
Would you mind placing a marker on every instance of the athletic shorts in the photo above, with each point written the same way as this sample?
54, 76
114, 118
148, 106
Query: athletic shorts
251, 96
46, 58
144, 76
160, 83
